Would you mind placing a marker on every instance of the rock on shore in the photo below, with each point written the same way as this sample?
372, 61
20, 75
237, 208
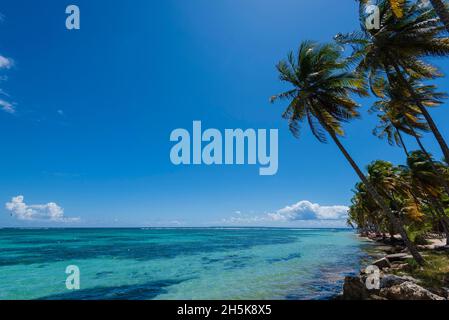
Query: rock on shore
391, 288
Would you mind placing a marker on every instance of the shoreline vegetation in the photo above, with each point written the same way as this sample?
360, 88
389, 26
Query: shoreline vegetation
400, 277
390, 59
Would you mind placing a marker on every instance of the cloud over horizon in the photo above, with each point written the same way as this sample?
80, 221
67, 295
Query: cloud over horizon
300, 211
306, 210
37, 212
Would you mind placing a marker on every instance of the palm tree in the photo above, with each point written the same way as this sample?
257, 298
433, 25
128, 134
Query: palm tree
425, 178
390, 127
398, 113
390, 184
422, 176
397, 48
441, 10
413, 191
438, 5
366, 214
321, 97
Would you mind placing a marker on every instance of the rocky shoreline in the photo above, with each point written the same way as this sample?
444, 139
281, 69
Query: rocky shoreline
393, 273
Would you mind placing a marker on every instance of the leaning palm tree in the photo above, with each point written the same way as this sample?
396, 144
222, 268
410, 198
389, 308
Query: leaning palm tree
425, 178
398, 47
398, 113
422, 175
366, 215
395, 190
321, 96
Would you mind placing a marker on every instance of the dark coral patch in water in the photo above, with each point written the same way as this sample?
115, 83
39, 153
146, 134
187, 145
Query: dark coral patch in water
145, 291
287, 258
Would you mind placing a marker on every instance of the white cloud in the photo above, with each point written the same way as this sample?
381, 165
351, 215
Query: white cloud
6, 106
5, 62
306, 210
300, 211
41, 212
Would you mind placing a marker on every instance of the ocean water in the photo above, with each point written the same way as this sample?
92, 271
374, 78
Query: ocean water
178, 263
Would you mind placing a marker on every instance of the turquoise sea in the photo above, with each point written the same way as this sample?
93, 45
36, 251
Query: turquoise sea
209, 263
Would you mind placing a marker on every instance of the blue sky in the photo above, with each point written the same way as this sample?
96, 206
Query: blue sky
94, 110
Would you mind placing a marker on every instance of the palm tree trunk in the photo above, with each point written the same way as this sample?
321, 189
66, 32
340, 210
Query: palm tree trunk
380, 202
436, 132
441, 10
443, 145
402, 142
423, 149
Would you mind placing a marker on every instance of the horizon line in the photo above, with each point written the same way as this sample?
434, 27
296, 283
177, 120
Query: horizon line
209, 227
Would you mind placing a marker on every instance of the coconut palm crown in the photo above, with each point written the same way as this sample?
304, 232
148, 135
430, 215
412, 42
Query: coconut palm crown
321, 89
